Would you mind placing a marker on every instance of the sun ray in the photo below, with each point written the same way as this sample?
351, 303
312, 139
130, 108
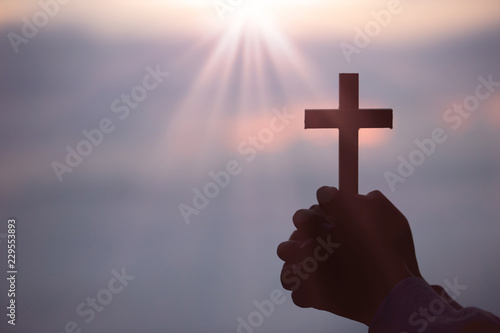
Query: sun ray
249, 64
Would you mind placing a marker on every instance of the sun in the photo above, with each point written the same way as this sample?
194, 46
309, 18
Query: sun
252, 47
253, 14
247, 17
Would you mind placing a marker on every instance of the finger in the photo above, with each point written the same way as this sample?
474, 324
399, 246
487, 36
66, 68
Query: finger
322, 230
299, 236
330, 201
378, 200
301, 298
316, 209
288, 280
294, 251
309, 294
326, 196
303, 218
312, 222
294, 277
375, 194
285, 249
341, 208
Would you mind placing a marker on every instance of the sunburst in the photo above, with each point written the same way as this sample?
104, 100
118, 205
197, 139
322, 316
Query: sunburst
249, 65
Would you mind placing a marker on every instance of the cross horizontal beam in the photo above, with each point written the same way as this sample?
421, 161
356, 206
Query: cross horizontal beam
350, 118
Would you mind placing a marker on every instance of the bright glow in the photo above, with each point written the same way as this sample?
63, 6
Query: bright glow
241, 56
252, 14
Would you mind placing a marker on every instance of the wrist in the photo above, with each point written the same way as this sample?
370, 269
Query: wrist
387, 275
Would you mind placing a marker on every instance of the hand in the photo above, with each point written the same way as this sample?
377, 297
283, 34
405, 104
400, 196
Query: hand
347, 254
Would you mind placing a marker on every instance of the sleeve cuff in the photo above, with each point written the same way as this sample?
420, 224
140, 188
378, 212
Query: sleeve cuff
408, 301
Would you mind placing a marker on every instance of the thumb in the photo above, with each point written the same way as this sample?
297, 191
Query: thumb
329, 200
335, 204
326, 195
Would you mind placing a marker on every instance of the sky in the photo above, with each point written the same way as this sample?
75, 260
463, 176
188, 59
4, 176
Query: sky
153, 152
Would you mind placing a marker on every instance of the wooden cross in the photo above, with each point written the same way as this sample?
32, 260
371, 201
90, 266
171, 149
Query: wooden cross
349, 118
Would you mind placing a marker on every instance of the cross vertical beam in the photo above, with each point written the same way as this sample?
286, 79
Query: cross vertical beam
348, 136
348, 119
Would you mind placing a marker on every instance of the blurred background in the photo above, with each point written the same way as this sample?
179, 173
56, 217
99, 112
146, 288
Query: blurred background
175, 93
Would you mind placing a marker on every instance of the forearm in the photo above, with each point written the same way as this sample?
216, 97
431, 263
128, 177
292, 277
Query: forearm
414, 306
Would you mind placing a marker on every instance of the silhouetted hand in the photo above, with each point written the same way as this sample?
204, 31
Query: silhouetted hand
347, 254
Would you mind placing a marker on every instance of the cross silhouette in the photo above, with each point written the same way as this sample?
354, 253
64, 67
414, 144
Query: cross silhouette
348, 118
